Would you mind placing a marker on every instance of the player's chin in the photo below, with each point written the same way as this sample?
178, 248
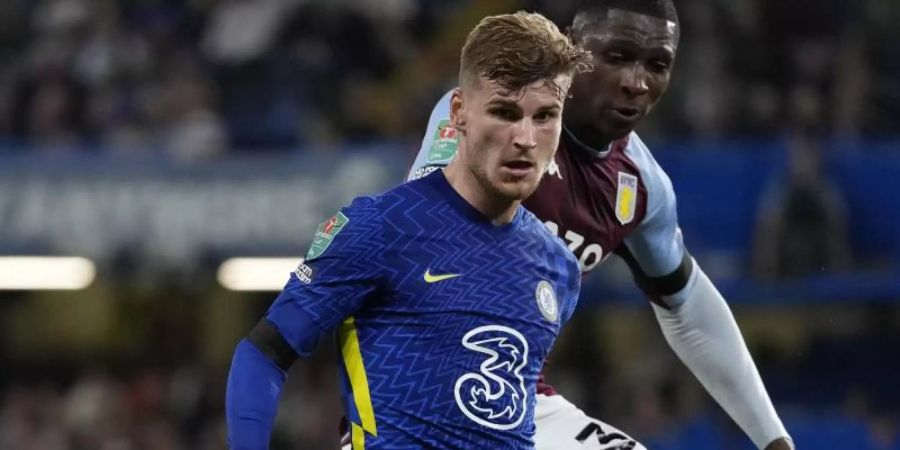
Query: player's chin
517, 188
618, 127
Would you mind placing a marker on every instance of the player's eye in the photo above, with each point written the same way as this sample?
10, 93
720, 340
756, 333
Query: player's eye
615, 56
545, 116
505, 114
658, 65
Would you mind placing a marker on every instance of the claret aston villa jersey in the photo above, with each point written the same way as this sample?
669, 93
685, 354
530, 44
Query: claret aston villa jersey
598, 201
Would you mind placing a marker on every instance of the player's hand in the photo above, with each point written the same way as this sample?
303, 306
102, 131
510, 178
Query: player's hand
780, 444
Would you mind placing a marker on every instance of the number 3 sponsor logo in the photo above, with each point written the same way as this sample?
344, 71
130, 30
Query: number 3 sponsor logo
495, 396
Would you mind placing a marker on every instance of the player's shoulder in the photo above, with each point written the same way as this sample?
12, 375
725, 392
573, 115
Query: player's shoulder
531, 224
370, 210
637, 151
412, 190
536, 228
351, 228
362, 221
367, 206
400, 200
657, 182
360, 215
368, 221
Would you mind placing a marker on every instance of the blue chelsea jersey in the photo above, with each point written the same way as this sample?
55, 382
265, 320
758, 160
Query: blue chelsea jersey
444, 320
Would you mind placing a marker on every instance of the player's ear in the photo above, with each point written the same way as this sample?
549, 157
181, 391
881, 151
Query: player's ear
457, 111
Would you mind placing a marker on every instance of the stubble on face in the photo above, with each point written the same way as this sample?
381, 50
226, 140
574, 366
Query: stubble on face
500, 142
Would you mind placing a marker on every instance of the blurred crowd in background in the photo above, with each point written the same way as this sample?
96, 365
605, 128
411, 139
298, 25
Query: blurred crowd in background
197, 78
132, 366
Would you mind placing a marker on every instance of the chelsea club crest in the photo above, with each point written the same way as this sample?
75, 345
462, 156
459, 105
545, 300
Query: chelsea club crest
546, 301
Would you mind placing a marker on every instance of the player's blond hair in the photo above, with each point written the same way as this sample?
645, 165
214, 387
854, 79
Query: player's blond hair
515, 50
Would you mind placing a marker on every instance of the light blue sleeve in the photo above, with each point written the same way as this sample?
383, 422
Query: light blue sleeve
657, 243
439, 143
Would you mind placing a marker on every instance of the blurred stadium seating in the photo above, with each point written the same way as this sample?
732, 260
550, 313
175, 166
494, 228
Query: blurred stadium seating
159, 138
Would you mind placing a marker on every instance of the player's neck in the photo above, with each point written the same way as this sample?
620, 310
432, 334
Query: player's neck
495, 209
587, 140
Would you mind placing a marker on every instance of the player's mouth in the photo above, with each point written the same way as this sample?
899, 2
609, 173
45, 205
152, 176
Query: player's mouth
626, 114
518, 168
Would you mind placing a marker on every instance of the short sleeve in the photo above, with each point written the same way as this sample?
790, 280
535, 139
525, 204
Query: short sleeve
656, 244
341, 270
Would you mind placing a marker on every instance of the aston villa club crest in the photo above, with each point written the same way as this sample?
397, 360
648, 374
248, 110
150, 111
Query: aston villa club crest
626, 198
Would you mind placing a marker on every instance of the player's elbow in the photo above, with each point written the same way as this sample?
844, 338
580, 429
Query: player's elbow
269, 341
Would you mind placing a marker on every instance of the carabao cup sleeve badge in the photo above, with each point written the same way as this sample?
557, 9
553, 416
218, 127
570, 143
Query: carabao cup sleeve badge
325, 235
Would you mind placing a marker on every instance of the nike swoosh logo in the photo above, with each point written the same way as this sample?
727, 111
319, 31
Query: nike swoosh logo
429, 278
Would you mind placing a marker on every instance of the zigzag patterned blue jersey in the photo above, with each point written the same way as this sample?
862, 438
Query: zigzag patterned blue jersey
444, 320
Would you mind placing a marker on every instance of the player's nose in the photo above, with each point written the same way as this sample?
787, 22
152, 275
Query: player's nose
524, 135
634, 81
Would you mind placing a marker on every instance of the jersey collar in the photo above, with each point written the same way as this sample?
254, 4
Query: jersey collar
439, 183
581, 145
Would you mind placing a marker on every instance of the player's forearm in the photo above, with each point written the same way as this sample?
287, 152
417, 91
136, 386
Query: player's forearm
251, 398
704, 334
